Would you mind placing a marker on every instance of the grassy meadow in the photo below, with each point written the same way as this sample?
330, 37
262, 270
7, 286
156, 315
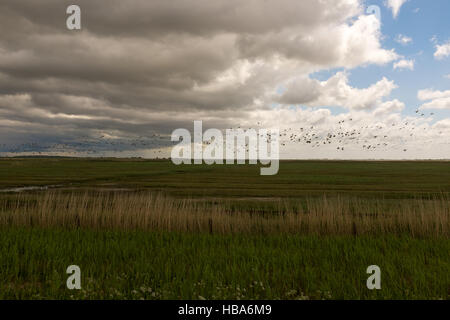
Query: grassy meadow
143, 229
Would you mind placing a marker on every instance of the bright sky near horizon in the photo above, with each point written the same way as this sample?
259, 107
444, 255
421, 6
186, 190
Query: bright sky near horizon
337, 82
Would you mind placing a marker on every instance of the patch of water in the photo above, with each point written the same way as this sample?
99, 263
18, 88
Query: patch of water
29, 188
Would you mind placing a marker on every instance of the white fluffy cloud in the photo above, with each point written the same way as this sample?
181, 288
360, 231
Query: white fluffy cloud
326, 46
395, 6
336, 91
404, 64
429, 94
442, 51
389, 107
402, 39
436, 99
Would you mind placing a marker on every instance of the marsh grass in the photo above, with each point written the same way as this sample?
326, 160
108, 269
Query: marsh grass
224, 232
146, 211
174, 265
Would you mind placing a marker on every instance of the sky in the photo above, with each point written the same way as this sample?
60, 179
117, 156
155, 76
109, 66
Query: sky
340, 79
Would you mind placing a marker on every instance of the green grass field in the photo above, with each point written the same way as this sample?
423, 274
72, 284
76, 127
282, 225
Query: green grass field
295, 178
224, 232
134, 265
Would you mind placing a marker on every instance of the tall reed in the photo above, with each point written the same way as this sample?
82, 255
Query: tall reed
157, 212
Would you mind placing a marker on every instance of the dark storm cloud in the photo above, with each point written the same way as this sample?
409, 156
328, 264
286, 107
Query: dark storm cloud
141, 66
198, 17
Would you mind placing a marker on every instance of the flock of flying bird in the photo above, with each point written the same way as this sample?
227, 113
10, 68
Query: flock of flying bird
340, 136
368, 137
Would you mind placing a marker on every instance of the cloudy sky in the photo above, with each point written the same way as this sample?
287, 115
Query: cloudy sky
340, 78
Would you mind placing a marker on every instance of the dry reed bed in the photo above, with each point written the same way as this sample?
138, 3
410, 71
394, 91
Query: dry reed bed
156, 212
